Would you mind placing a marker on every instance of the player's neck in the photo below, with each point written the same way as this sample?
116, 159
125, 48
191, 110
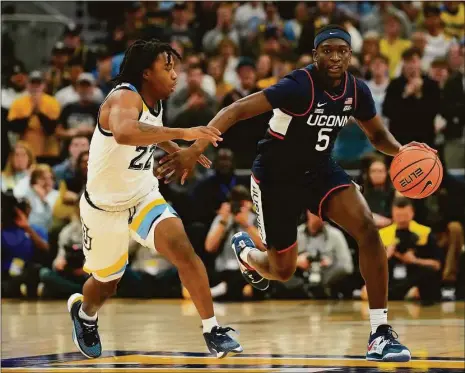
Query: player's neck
149, 98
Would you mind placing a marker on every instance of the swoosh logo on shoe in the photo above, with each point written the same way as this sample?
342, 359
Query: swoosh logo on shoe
370, 346
429, 183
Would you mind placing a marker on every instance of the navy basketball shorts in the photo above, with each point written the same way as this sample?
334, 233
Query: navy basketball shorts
279, 205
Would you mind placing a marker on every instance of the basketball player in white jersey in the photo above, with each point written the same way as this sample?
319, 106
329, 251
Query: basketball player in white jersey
122, 200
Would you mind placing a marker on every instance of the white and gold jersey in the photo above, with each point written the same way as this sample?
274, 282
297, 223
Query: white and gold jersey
120, 176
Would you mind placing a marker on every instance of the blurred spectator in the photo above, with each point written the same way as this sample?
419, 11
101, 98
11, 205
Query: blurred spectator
412, 102
451, 240
77, 48
15, 87
379, 71
356, 38
374, 20
439, 72
455, 57
324, 256
66, 170
437, 43
77, 183
179, 28
213, 190
242, 139
453, 17
324, 14
216, 71
69, 94
414, 258
453, 110
22, 245
18, 166
103, 72
34, 116
293, 27
67, 275
248, 16
370, 49
232, 217
41, 195
228, 52
304, 60
264, 67
379, 192
392, 44
207, 83
224, 29
419, 41
57, 75
80, 118
191, 104
280, 69
134, 17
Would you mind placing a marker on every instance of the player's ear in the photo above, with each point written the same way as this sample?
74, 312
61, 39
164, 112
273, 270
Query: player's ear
315, 55
146, 74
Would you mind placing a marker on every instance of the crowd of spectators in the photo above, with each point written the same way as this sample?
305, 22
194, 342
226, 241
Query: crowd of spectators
411, 54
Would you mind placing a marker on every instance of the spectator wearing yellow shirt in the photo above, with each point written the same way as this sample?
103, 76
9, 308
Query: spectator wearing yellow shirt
453, 17
34, 116
392, 45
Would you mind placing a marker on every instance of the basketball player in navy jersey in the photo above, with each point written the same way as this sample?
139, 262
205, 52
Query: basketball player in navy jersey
294, 170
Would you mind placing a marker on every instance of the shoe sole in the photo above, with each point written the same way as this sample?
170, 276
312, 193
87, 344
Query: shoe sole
73, 299
393, 358
245, 277
223, 354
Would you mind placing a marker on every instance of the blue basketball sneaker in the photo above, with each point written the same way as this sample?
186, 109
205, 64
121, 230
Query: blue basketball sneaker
239, 242
384, 346
220, 343
85, 333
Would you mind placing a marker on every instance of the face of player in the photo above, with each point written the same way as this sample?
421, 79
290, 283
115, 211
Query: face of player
161, 76
377, 173
333, 57
402, 216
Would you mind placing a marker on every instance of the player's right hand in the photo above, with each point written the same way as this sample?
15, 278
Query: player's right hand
211, 134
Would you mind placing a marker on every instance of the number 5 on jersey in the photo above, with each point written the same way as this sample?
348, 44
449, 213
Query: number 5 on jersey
323, 139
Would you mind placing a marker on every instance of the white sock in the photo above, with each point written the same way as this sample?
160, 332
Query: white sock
245, 253
208, 324
84, 316
378, 317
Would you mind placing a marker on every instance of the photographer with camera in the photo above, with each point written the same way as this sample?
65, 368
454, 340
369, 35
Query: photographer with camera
414, 257
23, 248
233, 216
324, 257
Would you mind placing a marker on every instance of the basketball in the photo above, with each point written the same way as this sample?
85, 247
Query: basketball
416, 172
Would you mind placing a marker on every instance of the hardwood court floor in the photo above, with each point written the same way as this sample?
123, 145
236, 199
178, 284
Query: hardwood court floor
277, 336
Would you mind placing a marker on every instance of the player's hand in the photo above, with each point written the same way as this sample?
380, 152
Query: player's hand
211, 134
418, 145
181, 162
204, 161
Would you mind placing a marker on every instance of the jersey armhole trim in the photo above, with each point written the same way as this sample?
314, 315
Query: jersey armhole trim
343, 93
311, 102
355, 94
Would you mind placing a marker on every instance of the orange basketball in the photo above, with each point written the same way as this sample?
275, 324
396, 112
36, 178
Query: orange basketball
416, 172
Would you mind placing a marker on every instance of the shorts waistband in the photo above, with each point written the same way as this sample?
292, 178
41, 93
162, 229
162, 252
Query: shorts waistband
119, 208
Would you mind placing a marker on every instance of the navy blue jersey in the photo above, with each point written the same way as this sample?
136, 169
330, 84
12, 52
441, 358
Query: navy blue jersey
307, 119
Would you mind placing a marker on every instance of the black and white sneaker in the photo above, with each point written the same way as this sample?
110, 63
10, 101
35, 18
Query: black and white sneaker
384, 346
239, 242
220, 343
85, 333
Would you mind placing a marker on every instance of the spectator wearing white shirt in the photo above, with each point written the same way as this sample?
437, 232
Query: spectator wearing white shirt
379, 69
69, 94
248, 16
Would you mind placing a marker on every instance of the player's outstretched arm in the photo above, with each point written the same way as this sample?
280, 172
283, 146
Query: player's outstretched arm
245, 108
127, 130
382, 139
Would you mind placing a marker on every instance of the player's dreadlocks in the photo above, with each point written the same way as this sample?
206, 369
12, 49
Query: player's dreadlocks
138, 57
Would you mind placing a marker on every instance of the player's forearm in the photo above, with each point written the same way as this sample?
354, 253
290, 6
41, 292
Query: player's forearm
224, 120
385, 142
137, 133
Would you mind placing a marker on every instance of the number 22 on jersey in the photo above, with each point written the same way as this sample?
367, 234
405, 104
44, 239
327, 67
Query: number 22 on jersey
143, 161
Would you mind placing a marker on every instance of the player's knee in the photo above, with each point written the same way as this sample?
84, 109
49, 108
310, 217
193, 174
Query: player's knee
366, 230
108, 289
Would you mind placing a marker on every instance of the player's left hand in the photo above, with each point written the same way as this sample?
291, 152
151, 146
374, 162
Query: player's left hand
418, 145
